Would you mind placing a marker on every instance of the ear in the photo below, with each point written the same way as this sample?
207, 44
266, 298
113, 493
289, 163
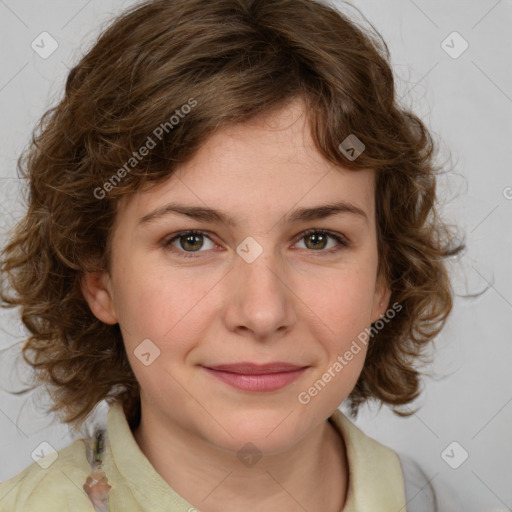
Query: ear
380, 299
96, 288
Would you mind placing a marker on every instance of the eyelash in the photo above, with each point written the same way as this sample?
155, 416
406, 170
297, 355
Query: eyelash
343, 243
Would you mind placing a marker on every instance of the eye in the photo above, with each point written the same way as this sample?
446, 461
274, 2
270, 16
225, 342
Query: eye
317, 240
188, 241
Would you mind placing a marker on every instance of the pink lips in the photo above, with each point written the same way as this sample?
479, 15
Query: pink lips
253, 377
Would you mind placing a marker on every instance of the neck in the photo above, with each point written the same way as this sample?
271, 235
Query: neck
311, 476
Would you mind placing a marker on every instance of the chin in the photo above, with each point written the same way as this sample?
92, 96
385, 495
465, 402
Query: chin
271, 432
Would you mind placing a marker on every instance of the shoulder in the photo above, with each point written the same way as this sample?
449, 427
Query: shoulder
419, 492
381, 466
52, 483
365, 450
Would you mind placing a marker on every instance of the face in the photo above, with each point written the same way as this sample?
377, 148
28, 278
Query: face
269, 285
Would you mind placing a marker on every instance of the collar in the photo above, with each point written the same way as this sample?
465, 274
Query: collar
375, 476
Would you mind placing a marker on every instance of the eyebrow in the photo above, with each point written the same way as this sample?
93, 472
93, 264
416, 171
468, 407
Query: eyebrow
216, 216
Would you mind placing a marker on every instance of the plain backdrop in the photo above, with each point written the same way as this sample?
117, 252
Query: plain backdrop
465, 97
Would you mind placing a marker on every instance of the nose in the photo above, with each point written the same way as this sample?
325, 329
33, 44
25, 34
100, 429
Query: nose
261, 301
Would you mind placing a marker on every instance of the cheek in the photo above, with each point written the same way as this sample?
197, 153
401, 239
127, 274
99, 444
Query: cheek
343, 304
166, 307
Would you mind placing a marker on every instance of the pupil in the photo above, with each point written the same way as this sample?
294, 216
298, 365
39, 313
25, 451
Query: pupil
190, 239
318, 237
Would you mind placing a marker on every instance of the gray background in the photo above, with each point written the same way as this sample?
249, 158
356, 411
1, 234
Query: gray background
467, 103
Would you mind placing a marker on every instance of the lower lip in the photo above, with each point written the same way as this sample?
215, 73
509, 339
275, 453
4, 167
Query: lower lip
265, 382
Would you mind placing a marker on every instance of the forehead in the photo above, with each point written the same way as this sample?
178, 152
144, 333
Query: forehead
266, 167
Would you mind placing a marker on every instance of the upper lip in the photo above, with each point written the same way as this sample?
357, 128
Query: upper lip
256, 369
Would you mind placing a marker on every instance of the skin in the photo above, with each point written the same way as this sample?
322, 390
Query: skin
296, 302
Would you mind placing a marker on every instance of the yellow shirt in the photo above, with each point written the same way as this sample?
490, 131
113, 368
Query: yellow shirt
375, 484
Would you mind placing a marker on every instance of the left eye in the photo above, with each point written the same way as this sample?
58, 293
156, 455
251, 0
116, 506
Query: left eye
319, 240
191, 242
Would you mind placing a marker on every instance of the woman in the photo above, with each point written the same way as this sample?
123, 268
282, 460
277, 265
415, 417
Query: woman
231, 231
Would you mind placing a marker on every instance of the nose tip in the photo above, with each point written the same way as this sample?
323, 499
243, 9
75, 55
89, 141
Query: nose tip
260, 299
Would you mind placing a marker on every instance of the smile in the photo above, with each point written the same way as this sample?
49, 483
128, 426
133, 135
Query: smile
247, 377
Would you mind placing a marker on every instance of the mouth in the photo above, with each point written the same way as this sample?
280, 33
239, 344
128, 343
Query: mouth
257, 378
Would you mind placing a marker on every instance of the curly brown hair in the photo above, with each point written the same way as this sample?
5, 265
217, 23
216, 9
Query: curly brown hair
236, 59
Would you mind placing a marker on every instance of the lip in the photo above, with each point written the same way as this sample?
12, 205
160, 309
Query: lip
248, 368
256, 377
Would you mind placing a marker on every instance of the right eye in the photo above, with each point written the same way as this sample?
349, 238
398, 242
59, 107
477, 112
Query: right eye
188, 242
